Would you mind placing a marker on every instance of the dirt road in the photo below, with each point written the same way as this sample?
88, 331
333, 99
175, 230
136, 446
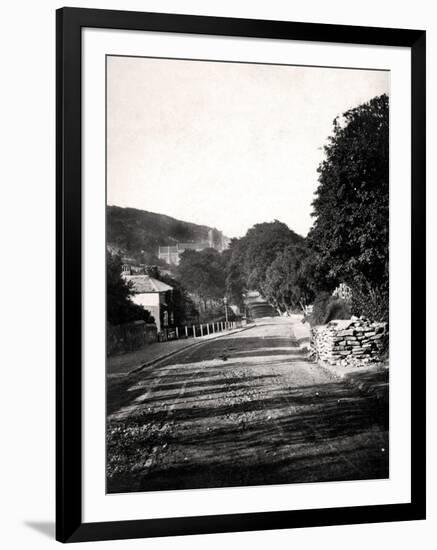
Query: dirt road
245, 409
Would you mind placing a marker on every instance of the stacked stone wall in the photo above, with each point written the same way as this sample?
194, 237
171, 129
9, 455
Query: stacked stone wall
353, 342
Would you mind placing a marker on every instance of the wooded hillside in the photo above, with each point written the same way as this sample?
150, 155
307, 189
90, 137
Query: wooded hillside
138, 233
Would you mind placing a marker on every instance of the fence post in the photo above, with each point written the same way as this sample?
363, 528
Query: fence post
194, 331
177, 333
186, 331
207, 328
201, 330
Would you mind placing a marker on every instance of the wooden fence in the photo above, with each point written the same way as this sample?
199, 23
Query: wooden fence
196, 331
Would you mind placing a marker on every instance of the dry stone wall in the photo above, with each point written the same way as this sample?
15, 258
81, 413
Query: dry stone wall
354, 342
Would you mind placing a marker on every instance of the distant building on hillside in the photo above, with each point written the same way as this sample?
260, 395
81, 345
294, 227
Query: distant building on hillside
153, 295
171, 254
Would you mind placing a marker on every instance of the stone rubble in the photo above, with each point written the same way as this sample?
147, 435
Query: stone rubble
352, 342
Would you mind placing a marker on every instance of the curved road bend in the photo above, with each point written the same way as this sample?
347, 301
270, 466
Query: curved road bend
245, 409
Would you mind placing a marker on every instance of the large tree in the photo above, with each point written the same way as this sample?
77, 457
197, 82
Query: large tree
284, 285
349, 238
203, 275
254, 253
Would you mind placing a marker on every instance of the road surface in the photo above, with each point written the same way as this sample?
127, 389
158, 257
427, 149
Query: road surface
245, 409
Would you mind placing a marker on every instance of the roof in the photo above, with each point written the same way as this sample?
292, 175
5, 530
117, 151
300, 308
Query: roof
143, 283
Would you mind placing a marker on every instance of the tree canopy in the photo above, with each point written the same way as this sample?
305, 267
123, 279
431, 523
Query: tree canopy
252, 255
203, 274
284, 284
349, 238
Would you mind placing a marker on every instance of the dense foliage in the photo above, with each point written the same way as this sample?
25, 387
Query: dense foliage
203, 274
373, 303
349, 238
250, 258
120, 308
327, 308
234, 282
284, 283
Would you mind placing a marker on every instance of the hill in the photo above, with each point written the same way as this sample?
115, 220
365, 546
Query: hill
138, 233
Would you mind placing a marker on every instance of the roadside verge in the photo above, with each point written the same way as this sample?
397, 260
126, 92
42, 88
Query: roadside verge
166, 353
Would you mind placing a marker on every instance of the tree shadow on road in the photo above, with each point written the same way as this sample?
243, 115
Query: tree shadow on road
272, 435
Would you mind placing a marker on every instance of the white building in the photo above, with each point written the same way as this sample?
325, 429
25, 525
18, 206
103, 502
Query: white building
151, 294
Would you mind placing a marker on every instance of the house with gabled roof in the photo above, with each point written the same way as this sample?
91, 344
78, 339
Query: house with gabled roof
153, 295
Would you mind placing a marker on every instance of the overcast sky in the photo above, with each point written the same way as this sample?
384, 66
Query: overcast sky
224, 144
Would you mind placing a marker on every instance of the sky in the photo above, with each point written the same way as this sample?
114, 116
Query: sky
222, 144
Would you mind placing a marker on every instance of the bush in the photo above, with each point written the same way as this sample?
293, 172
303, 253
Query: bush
327, 308
120, 307
372, 303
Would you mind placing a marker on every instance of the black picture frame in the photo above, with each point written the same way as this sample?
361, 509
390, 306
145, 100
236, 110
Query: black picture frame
69, 525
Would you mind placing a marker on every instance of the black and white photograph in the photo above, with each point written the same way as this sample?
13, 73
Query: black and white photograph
247, 274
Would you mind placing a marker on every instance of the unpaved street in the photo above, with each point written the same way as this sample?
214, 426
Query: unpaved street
245, 409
